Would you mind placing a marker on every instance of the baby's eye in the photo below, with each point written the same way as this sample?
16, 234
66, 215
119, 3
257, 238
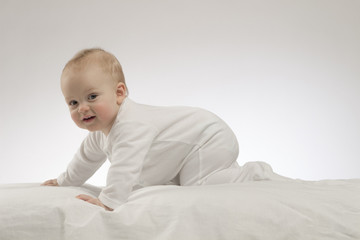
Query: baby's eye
92, 96
72, 103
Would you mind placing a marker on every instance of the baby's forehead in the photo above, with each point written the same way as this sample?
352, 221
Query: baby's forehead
90, 76
82, 68
94, 60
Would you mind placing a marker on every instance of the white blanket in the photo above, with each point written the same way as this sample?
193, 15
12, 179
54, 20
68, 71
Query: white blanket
250, 210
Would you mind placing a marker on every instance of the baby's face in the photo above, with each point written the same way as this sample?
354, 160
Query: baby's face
93, 97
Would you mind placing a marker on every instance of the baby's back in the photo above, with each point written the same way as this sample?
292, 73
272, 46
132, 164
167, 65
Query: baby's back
183, 124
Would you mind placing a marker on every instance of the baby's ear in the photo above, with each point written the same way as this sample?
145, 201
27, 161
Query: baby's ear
120, 92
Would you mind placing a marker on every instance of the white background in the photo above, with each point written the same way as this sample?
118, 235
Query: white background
285, 75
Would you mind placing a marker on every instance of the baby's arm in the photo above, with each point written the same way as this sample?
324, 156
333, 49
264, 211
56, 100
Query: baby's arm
86, 161
130, 145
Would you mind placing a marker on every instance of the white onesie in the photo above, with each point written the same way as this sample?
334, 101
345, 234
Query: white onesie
150, 145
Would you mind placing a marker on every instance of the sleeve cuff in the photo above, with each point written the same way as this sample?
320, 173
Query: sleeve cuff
61, 179
109, 202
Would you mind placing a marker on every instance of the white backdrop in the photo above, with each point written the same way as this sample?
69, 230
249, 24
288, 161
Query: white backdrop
285, 75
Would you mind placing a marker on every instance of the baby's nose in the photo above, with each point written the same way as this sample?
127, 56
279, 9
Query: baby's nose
83, 108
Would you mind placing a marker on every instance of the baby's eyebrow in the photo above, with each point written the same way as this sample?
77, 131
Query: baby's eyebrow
90, 90
69, 97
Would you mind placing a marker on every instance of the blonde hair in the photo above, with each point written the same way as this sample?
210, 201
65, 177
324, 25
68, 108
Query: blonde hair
106, 60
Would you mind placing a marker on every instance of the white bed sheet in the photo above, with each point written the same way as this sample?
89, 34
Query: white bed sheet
249, 210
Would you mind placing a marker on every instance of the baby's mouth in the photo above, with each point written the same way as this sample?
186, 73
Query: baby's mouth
88, 118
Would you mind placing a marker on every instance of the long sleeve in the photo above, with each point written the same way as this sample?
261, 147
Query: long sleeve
130, 145
86, 161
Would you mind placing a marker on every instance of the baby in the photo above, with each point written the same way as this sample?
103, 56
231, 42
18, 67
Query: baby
146, 145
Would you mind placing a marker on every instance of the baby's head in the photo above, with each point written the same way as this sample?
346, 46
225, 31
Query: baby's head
96, 56
94, 87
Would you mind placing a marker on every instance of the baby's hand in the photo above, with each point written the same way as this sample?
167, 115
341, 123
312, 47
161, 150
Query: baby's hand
51, 182
92, 200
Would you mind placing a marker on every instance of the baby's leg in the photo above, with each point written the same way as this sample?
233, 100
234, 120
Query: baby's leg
218, 153
215, 163
251, 171
204, 163
219, 166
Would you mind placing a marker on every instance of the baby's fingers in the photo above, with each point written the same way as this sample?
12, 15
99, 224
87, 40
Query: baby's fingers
84, 197
92, 200
51, 182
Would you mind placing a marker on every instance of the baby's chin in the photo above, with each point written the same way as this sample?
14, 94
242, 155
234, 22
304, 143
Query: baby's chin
89, 128
92, 129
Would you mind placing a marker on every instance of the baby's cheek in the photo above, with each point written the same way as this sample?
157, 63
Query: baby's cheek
75, 117
104, 112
